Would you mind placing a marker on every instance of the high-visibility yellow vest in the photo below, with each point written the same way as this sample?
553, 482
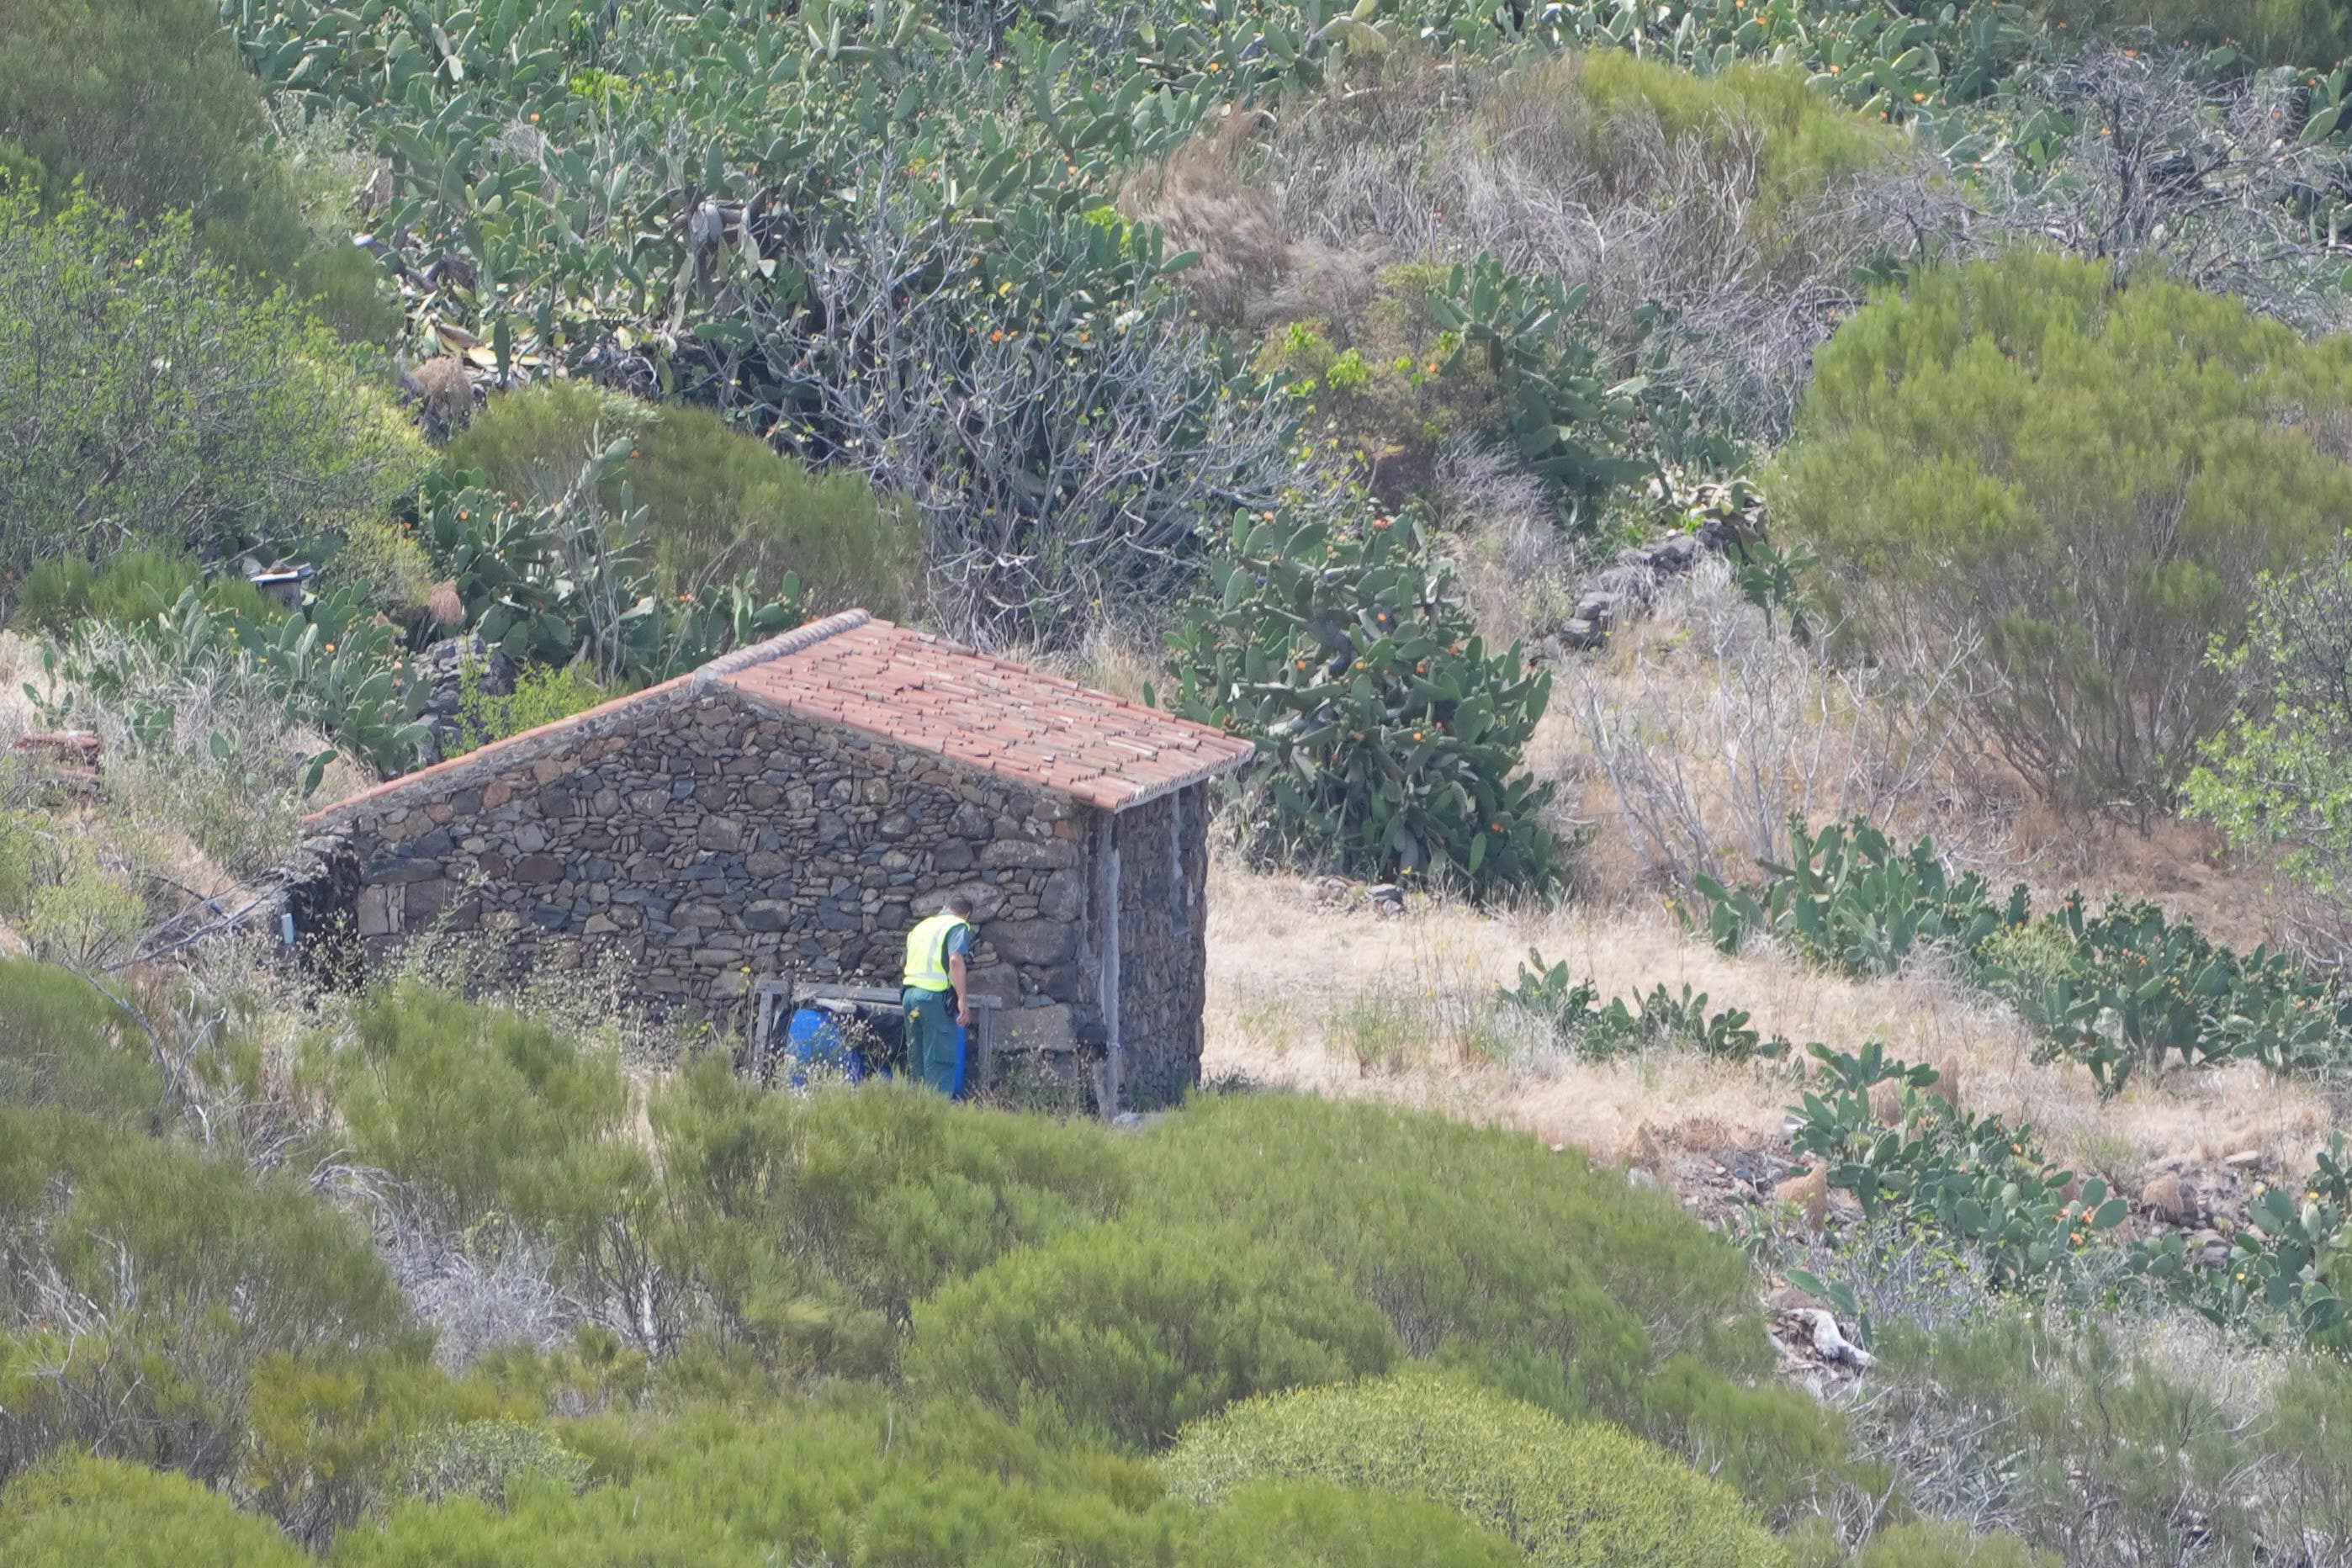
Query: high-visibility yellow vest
927, 953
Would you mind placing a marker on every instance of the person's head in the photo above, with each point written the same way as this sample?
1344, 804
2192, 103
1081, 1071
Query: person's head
959, 906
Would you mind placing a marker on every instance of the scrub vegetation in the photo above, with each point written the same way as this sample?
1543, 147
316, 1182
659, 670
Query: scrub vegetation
1777, 987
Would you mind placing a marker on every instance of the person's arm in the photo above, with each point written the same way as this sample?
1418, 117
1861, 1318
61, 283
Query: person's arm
957, 972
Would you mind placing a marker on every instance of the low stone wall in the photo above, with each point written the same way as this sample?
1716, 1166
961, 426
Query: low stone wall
700, 840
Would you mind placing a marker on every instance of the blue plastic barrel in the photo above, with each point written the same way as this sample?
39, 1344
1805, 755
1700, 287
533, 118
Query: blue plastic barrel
814, 1040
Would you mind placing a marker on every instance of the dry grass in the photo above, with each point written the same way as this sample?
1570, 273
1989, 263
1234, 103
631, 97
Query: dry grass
1687, 743
1337, 1001
184, 835
1199, 200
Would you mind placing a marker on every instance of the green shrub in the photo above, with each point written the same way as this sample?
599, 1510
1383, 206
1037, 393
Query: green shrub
196, 419
540, 696
136, 585
2096, 1450
533, 444
1313, 1524
2279, 775
88, 916
1566, 1494
29, 857
1807, 142
75, 1511
720, 503
384, 566
2032, 954
63, 1044
56, 595
490, 1460
186, 1269
1125, 1333
329, 1434
1927, 1544
725, 503
1560, 1283
2070, 487
2273, 32
850, 1477
472, 1108
68, 589
147, 101
812, 1224
1465, 1237
2305, 1457
1389, 739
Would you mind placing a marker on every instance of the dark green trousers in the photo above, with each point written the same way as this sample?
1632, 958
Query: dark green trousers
934, 1052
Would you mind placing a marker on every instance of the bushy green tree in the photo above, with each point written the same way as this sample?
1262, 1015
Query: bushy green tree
726, 502
145, 400
1805, 143
1388, 738
147, 101
2066, 485
1585, 1494
1124, 1335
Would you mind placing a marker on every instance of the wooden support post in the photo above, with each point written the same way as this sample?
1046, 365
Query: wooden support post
775, 999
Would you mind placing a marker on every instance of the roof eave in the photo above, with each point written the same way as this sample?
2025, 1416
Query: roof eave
1116, 799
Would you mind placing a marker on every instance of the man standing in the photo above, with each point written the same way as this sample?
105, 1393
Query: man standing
938, 1004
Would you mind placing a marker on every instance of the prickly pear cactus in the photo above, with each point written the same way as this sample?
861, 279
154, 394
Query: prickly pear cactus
1390, 737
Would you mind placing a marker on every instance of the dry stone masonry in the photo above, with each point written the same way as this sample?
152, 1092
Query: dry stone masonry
729, 827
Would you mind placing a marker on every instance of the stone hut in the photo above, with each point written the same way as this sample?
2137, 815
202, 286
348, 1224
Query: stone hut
789, 810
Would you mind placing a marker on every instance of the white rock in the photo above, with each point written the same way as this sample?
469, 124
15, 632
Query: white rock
1832, 1344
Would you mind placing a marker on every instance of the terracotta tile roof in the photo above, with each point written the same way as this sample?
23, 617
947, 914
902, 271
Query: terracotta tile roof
908, 686
936, 695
